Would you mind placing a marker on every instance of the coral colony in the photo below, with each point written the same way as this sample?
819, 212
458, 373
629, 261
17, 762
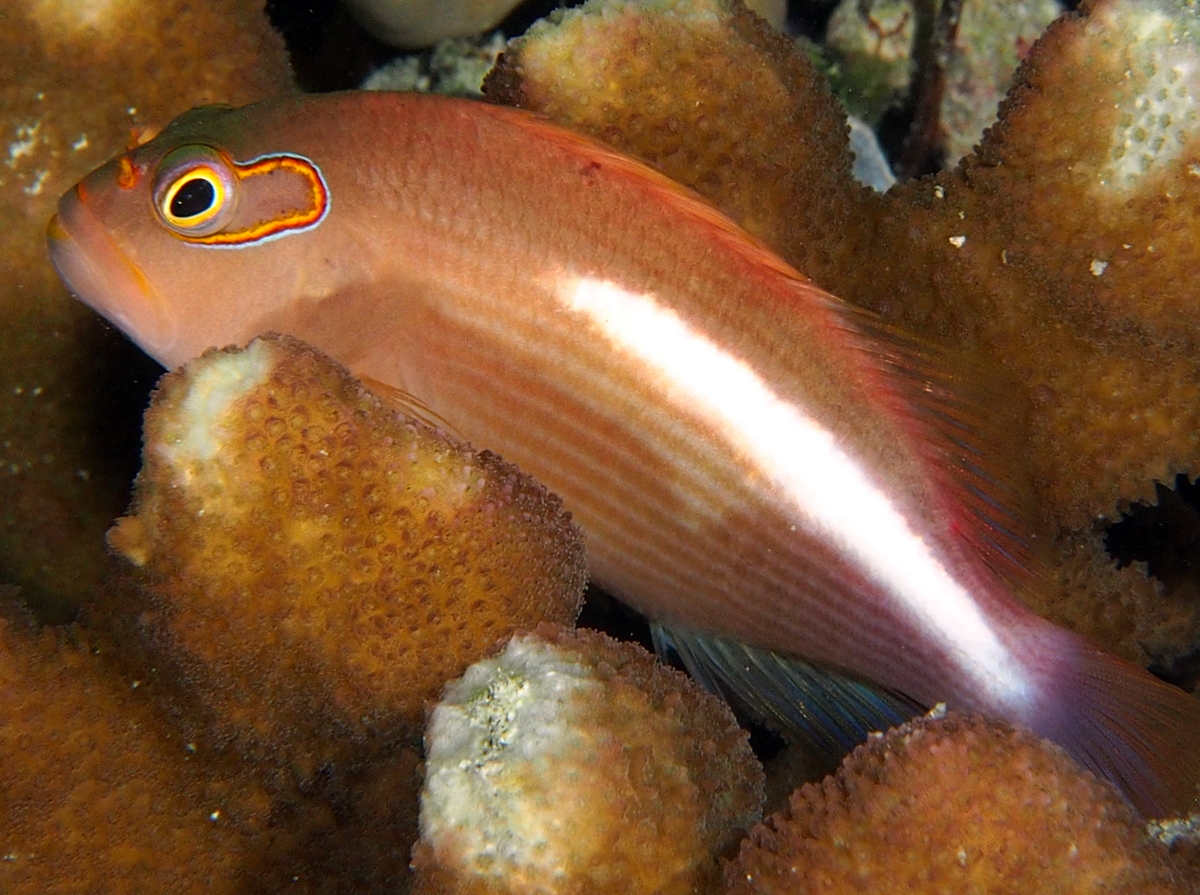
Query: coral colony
422, 553
242, 706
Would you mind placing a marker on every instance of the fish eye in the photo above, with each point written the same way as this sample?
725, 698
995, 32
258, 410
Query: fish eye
192, 197
194, 191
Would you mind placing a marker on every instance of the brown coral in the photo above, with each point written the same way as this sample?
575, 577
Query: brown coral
955, 804
1094, 170
94, 793
75, 79
710, 94
99, 792
318, 565
573, 763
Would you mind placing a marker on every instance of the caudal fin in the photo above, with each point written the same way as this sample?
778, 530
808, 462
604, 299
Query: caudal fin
1126, 725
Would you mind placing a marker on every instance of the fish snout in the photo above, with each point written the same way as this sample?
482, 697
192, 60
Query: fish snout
101, 275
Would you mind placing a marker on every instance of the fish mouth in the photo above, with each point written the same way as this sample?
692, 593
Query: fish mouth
104, 278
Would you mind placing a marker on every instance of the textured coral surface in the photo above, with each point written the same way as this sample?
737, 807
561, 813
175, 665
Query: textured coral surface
76, 78
709, 94
574, 763
317, 566
94, 796
100, 792
955, 805
302, 617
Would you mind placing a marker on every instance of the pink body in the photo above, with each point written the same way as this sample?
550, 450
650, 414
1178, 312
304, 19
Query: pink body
744, 453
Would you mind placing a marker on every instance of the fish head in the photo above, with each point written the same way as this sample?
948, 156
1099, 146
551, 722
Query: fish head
192, 239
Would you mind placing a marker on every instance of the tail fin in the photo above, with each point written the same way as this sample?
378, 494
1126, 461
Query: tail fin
1125, 725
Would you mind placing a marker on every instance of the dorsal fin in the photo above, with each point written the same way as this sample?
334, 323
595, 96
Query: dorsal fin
969, 428
661, 187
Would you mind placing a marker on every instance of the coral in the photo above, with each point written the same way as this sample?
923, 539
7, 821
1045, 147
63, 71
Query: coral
346, 832
955, 804
456, 67
574, 763
1074, 222
872, 45
318, 565
1182, 838
1050, 254
992, 39
687, 85
1095, 193
99, 792
94, 793
75, 78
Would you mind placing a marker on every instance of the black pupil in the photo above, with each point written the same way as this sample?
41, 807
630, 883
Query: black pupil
195, 197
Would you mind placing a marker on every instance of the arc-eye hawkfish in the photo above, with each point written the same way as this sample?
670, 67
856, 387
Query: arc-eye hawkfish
747, 456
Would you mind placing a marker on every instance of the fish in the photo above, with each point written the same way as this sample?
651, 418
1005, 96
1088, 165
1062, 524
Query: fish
747, 455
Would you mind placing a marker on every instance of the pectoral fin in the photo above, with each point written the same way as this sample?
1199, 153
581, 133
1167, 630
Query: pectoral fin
409, 405
824, 712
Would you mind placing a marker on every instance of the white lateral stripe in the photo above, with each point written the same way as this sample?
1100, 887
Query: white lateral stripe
827, 487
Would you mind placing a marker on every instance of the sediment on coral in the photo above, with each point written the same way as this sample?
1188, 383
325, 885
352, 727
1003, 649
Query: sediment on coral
572, 762
315, 566
956, 804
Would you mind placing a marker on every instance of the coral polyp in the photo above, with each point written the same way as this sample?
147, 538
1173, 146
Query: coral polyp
316, 565
96, 793
955, 804
1099, 151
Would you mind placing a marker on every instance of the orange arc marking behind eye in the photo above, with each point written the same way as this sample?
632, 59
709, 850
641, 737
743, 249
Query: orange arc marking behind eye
294, 221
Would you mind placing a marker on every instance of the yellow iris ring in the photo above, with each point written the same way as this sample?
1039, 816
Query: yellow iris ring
293, 219
220, 196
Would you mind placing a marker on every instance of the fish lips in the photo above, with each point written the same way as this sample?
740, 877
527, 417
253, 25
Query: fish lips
106, 279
